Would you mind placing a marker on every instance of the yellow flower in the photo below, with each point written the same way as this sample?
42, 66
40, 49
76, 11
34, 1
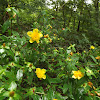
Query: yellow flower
35, 35
51, 27
97, 93
40, 73
55, 99
46, 36
50, 40
77, 74
71, 53
84, 51
55, 35
4, 44
92, 47
98, 57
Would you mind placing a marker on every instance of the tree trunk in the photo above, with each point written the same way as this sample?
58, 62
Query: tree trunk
78, 28
96, 5
64, 16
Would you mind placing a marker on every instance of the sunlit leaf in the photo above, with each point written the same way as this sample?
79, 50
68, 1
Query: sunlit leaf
12, 86
19, 74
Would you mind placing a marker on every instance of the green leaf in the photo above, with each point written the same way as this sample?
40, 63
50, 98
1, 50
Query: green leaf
16, 59
10, 98
50, 94
10, 52
2, 72
6, 94
88, 98
9, 31
55, 80
6, 25
70, 88
4, 38
1, 89
65, 88
94, 59
36, 97
74, 49
2, 51
15, 11
19, 74
8, 9
12, 86
40, 90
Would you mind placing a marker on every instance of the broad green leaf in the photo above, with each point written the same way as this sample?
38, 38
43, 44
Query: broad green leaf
36, 97
10, 98
1, 51
40, 90
55, 80
15, 11
19, 74
16, 59
50, 94
6, 25
94, 59
6, 94
65, 88
1, 89
8, 9
11, 53
88, 98
4, 38
12, 86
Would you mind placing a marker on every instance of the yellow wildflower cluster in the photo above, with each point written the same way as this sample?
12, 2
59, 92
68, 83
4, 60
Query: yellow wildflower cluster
40, 73
77, 74
35, 35
55, 99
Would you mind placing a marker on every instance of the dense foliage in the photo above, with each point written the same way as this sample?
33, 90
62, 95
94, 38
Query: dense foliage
49, 54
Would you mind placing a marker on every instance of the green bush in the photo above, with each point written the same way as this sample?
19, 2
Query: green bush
63, 73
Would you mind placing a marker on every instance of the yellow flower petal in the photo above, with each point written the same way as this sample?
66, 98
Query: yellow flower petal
73, 77
44, 76
37, 70
79, 77
37, 41
55, 99
98, 57
35, 30
41, 35
29, 33
44, 71
31, 40
74, 72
